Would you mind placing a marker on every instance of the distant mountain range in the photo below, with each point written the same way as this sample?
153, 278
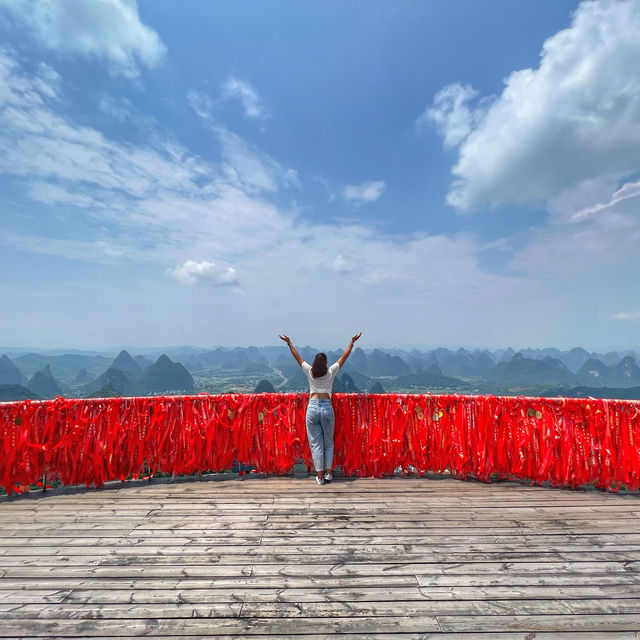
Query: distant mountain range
533, 371
123, 376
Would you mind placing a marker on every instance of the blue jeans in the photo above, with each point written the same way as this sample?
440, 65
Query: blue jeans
320, 424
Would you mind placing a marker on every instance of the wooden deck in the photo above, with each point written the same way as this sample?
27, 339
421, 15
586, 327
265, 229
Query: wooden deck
235, 557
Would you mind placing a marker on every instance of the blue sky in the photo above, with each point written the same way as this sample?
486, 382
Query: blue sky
432, 173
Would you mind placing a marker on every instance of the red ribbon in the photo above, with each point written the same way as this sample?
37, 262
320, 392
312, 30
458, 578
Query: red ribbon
562, 441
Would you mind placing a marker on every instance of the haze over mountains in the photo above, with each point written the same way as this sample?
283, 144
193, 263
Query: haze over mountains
243, 369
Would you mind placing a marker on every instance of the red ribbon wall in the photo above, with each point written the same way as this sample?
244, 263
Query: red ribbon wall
564, 441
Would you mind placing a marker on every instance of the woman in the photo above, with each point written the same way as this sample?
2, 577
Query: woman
320, 416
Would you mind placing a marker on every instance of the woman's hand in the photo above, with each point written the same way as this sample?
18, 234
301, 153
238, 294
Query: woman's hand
342, 359
294, 351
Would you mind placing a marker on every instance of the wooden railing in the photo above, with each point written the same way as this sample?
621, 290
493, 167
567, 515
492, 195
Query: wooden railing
562, 441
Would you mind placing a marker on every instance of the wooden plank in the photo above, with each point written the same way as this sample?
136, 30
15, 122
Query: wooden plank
213, 581
297, 489
294, 492
398, 505
361, 593
606, 530
508, 526
301, 512
418, 542
227, 582
358, 609
262, 556
205, 596
501, 635
181, 550
563, 579
395, 505
574, 623
125, 503
337, 594
241, 565
40, 596
213, 626
137, 558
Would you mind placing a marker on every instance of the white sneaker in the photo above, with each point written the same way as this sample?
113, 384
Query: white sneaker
319, 479
328, 476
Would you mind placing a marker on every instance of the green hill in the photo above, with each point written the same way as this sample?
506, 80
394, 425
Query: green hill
15, 392
44, 384
107, 391
631, 393
9, 372
344, 384
120, 381
424, 382
520, 371
264, 386
165, 376
124, 362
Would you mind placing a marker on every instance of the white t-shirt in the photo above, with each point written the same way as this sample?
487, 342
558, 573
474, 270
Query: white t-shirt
324, 384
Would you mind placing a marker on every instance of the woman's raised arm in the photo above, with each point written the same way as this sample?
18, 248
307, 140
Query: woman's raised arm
294, 351
347, 352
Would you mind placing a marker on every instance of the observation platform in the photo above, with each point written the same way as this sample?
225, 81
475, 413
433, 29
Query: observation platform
228, 556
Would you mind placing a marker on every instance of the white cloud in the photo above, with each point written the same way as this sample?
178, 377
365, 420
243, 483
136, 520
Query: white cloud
341, 265
48, 81
106, 29
575, 199
627, 191
291, 178
201, 103
49, 193
119, 109
96, 251
575, 117
38, 143
142, 211
589, 266
231, 89
148, 189
251, 167
633, 315
163, 205
451, 114
588, 242
109, 249
191, 272
331, 191
241, 90
365, 192
246, 165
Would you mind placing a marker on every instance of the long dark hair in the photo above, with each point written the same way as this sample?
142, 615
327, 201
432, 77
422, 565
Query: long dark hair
319, 366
